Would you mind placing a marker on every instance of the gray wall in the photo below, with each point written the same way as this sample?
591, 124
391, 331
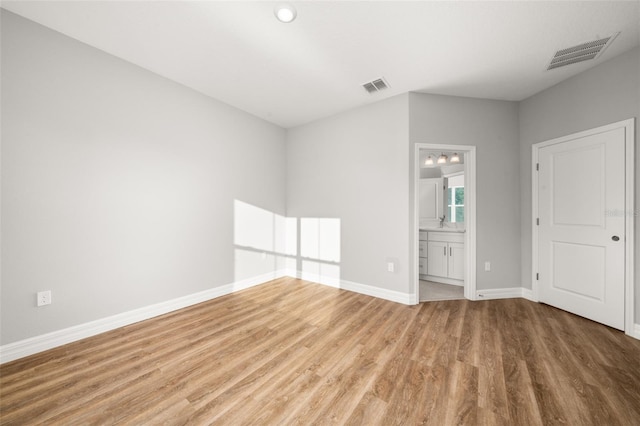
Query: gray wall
117, 185
353, 166
492, 126
604, 94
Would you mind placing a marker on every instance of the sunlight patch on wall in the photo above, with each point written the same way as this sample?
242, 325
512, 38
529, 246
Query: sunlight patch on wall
264, 242
320, 239
268, 243
320, 250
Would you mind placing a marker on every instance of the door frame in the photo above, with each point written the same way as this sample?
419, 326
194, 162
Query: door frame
469, 215
629, 235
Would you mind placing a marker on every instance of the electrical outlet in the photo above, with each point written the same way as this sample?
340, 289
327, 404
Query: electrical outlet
391, 267
487, 266
44, 298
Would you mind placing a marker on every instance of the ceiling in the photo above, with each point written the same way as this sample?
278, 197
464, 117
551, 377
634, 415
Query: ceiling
291, 74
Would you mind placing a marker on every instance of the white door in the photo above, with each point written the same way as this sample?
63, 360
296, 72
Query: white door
581, 205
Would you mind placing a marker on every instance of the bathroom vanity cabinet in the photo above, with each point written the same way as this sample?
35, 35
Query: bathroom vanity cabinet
444, 258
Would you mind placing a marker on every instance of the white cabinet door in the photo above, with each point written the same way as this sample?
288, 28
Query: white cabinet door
431, 195
437, 258
456, 261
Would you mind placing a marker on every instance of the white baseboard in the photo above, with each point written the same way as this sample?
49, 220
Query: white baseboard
369, 290
33, 345
504, 293
316, 278
381, 293
527, 293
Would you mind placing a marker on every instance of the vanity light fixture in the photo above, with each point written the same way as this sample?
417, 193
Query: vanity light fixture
442, 159
285, 12
429, 161
455, 158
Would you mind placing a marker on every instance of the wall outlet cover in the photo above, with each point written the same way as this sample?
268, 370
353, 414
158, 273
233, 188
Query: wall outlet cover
44, 298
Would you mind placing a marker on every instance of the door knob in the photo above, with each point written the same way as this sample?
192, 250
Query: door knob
615, 238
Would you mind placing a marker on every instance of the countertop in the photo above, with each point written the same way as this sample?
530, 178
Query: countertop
445, 229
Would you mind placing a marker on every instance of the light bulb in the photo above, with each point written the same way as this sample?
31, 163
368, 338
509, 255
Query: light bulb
455, 158
442, 159
285, 13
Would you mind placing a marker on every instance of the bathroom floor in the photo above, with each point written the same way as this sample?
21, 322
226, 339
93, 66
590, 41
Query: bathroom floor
430, 291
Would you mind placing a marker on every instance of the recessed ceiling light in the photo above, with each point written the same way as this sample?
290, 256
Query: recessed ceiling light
285, 12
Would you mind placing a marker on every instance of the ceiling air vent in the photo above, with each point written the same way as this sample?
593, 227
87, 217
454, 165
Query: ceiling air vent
375, 85
581, 52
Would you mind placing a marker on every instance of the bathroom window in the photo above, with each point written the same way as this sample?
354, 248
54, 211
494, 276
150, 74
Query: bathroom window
455, 203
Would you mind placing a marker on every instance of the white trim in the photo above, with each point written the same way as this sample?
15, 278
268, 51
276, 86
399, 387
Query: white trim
504, 293
470, 224
469, 217
368, 290
534, 216
381, 293
629, 309
629, 126
33, 345
528, 294
318, 279
636, 331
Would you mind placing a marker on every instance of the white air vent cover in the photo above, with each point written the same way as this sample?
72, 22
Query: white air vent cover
375, 85
581, 52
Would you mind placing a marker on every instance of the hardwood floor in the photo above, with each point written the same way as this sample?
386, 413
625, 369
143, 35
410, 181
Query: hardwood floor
292, 352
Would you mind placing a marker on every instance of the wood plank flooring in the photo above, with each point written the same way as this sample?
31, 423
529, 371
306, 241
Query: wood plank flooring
293, 352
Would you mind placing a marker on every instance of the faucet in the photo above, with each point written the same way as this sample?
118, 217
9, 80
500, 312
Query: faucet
442, 218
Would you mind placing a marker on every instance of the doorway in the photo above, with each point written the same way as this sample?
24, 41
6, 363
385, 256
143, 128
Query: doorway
583, 200
450, 250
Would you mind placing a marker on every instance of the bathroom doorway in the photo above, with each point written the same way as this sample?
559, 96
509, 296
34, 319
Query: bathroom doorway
444, 226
